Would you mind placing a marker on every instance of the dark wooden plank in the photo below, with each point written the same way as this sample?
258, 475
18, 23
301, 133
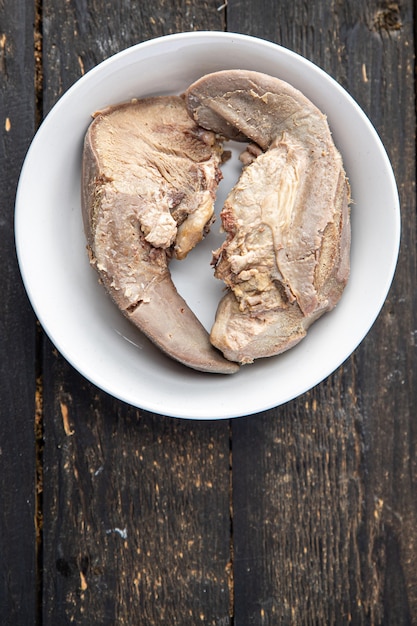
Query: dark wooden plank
297, 512
137, 526
325, 512
18, 597
136, 506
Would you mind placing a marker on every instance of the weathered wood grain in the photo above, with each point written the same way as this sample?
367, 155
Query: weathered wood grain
79, 35
18, 594
324, 489
136, 506
136, 519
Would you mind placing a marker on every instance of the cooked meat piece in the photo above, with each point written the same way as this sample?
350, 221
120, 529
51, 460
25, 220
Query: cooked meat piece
149, 179
286, 257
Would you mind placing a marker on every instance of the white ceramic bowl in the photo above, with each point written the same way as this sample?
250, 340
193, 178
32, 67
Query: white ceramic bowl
79, 317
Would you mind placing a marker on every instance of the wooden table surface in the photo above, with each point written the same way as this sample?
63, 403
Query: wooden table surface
304, 514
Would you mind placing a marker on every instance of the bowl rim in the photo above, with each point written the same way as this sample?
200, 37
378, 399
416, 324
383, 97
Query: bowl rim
189, 36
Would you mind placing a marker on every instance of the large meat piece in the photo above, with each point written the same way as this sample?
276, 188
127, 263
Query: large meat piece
286, 257
149, 179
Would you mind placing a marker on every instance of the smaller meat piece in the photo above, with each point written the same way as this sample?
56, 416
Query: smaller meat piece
149, 180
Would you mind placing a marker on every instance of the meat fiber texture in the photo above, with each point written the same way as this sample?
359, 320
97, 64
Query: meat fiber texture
286, 257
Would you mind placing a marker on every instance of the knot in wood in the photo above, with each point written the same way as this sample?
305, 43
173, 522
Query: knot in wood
387, 18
